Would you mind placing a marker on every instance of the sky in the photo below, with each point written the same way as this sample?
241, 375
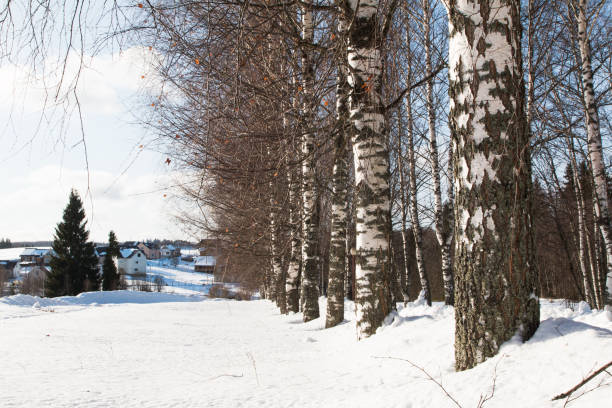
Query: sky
122, 179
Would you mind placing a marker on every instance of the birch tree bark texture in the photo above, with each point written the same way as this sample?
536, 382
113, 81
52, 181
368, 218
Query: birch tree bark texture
310, 271
337, 262
293, 269
495, 295
594, 145
371, 158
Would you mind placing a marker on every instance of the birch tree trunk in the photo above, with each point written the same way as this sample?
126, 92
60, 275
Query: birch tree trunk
292, 292
413, 202
597, 270
403, 210
594, 144
310, 271
337, 262
495, 295
442, 233
371, 157
588, 290
293, 269
414, 211
278, 284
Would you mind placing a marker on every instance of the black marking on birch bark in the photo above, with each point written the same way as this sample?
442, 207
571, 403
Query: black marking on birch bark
495, 294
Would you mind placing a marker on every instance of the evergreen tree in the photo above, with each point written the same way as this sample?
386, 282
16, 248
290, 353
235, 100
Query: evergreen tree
110, 276
74, 265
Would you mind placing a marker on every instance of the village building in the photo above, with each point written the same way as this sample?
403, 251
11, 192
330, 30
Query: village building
150, 251
38, 256
32, 260
204, 264
170, 251
132, 261
9, 258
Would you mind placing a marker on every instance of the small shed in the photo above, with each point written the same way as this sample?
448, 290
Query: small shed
205, 264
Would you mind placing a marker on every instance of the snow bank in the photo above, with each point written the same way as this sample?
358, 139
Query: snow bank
98, 298
226, 353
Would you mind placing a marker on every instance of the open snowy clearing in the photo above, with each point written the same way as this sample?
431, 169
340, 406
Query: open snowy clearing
128, 349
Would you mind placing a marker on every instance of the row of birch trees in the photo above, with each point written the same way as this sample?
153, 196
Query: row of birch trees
387, 150
308, 132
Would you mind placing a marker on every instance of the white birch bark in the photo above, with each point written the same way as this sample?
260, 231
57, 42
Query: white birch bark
588, 291
414, 211
404, 211
412, 186
337, 261
310, 271
594, 144
293, 269
496, 294
277, 287
442, 234
371, 158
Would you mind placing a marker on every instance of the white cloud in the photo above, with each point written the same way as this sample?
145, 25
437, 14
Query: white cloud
133, 206
104, 82
40, 163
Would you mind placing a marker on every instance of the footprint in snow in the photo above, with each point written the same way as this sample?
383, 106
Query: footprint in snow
310, 340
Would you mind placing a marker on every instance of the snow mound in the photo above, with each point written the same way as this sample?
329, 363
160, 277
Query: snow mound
98, 298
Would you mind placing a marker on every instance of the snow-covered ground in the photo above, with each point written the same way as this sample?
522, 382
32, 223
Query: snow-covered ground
180, 278
124, 349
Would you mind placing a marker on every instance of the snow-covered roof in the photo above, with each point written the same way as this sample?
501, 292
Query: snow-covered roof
36, 251
205, 261
11, 254
127, 252
170, 247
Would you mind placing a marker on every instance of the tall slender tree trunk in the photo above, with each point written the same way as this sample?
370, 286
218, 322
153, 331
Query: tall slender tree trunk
442, 233
373, 218
277, 287
597, 255
582, 233
310, 270
414, 210
292, 292
594, 144
337, 262
495, 295
403, 210
278, 277
293, 269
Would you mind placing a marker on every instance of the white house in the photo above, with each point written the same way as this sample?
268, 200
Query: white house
132, 261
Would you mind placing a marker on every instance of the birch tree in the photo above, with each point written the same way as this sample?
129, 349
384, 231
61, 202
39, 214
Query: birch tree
337, 263
310, 275
594, 139
495, 292
371, 158
443, 234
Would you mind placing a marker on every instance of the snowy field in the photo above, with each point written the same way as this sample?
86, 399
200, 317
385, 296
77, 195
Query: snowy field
180, 278
131, 349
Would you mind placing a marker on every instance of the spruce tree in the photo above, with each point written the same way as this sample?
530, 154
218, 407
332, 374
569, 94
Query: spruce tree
74, 265
110, 277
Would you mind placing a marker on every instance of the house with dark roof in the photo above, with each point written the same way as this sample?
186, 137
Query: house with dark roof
150, 250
